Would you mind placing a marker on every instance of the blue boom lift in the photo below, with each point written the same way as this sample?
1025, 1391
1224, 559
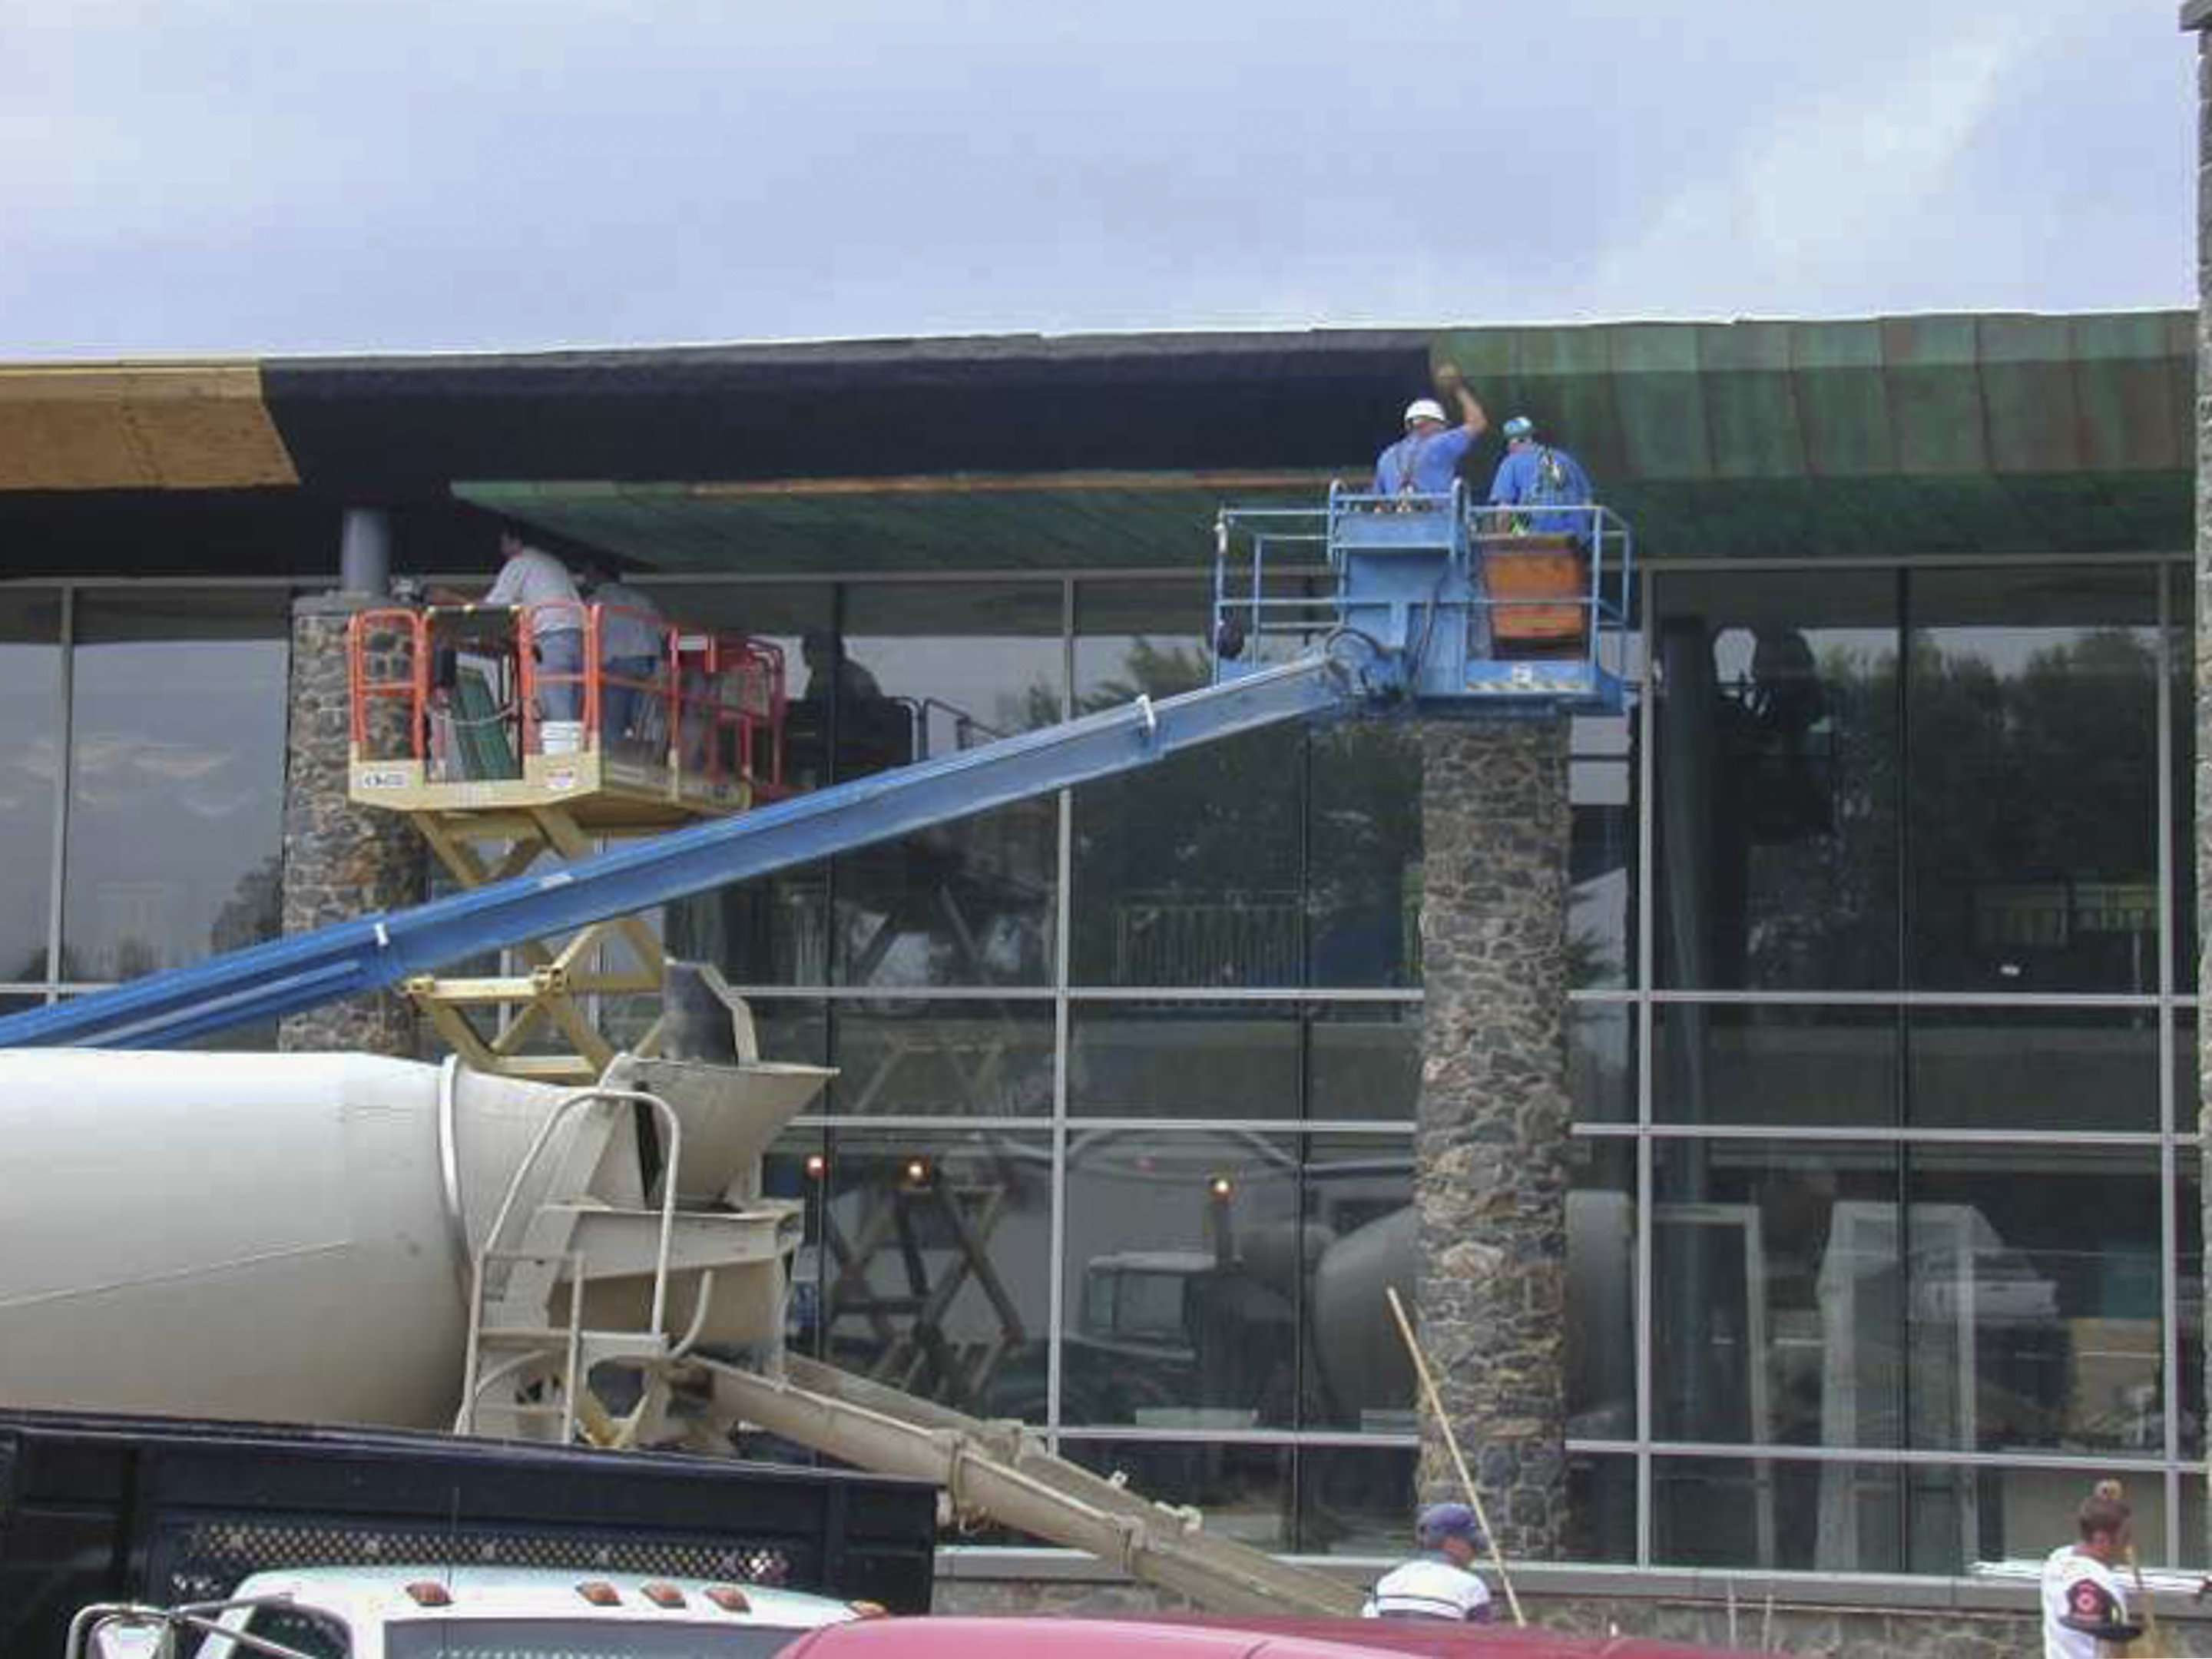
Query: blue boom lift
1374, 605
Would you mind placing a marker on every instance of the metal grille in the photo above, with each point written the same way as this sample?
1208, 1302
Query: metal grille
214, 1555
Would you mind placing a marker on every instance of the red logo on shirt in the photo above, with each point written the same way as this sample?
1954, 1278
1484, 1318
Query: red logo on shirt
2086, 1599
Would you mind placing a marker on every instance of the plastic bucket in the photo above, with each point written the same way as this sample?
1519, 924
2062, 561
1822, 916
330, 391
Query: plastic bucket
560, 737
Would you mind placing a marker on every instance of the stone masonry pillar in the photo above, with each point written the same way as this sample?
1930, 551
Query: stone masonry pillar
2198, 16
1490, 1182
340, 861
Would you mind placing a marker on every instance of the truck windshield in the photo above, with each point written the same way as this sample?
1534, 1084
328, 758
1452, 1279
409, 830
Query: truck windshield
579, 1638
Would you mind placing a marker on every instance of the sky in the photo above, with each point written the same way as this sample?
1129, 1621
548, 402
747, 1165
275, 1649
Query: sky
295, 176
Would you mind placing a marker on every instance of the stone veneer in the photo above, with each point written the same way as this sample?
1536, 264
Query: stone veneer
341, 862
2203, 642
1489, 1179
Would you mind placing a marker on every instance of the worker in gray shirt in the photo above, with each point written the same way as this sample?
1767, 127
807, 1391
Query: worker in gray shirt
532, 580
632, 640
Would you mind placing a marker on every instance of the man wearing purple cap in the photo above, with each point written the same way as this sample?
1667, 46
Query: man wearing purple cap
1437, 1583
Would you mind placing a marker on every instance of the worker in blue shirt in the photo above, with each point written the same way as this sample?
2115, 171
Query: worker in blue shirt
1427, 459
1534, 476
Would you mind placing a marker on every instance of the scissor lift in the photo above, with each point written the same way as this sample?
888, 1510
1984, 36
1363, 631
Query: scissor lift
449, 729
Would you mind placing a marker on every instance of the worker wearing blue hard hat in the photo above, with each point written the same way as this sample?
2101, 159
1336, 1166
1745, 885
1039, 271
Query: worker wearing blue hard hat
1537, 485
1425, 460
1438, 1582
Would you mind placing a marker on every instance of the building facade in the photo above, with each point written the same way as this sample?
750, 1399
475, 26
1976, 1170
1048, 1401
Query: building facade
1884, 1237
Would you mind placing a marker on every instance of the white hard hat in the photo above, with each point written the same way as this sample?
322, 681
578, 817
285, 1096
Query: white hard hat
1424, 408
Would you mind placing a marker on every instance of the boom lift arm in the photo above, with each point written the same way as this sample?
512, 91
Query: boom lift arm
372, 953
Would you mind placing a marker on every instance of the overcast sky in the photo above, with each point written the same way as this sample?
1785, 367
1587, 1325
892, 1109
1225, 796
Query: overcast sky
302, 175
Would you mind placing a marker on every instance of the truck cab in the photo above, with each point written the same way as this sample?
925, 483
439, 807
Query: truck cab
490, 1613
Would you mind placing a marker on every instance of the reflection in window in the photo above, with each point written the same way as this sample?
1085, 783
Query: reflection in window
2034, 1068
2181, 691
1602, 860
2189, 1303
1195, 1060
964, 1058
1355, 1500
179, 720
1209, 1223
934, 1258
2033, 1299
1601, 1290
2032, 707
1777, 765
1244, 1489
1357, 1242
969, 902
1601, 1062
30, 762
1363, 855
1784, 1515
1776, 1294
1601, 1507
1774, 1064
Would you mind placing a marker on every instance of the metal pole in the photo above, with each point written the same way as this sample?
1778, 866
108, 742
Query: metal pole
1451, 1444
365, 551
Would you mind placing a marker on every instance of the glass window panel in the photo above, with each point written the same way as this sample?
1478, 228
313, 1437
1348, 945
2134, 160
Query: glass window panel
934, 1253
1777, 832
1188, 873
2189, 1303
797, 1166
2033, 1068
1182, 1280
2033, 1298
1244, 1489
966, 904
2018, 1513
1363, 855
964, 1058
1364, 1061
1775, 1293
1601, 1062
1601, 1507
794, 1029
1779, 1514
179, 720
1355, 1500
1357, 1239
2187, 1103
1601, 1290
1770, 1064
774, 930
2034, 783
1345, 1062
2181, 682
30, 689
1602, 859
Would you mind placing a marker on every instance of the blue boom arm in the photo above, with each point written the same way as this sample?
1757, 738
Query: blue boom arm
288, 974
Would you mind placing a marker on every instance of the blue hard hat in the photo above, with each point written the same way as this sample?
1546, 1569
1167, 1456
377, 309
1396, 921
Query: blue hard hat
1519, 427
1441, 1521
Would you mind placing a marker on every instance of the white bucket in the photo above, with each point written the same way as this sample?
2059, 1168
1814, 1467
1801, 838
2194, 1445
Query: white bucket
560, 737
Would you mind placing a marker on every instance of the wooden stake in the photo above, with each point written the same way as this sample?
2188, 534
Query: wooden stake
1451, 1444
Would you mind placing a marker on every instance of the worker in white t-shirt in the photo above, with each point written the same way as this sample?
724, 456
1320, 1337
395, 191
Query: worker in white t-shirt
530, 578
2085, 1607
1437, 1583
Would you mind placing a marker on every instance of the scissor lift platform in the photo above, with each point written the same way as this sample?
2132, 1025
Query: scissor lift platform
446, 729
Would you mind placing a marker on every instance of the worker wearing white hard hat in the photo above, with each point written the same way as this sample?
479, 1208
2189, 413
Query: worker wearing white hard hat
1425, 460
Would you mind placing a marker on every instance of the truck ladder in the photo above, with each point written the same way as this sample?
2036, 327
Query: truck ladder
288, 974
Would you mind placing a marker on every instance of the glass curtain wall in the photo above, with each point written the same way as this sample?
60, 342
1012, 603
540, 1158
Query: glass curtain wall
1884, 1235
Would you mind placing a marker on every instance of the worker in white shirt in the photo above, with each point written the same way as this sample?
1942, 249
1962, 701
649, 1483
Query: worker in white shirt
2085, 1607
1437, 1583
532, 580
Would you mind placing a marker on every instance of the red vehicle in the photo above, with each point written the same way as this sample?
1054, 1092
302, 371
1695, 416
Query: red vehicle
1199, 1637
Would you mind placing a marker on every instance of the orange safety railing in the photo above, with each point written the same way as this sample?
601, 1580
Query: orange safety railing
704, 706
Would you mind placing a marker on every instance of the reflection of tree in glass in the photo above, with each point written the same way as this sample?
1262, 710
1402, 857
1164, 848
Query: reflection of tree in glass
255, 909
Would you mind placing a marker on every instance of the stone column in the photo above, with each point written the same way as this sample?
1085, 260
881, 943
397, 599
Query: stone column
2195, 16
340, 861
1490, 1181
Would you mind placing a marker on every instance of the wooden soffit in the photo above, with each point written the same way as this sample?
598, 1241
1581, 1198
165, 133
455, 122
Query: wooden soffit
167, 426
